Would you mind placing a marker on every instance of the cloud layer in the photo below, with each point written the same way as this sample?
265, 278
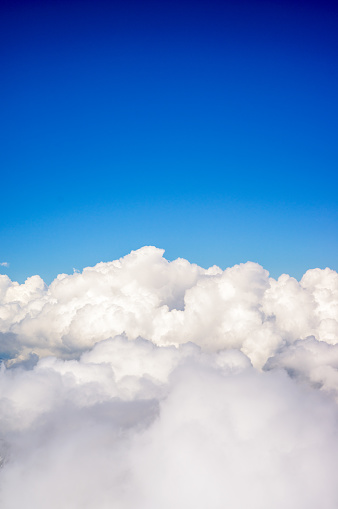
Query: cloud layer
148, 383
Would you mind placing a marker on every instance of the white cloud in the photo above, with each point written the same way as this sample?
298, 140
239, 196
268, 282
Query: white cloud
170, 303
162, 384
4, 264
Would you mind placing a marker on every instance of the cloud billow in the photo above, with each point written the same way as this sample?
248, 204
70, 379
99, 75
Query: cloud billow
148, 383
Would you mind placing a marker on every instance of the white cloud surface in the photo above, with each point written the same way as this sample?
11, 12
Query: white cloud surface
148, 383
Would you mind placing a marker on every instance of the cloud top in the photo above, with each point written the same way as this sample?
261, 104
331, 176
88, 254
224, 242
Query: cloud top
149, 383
170, 303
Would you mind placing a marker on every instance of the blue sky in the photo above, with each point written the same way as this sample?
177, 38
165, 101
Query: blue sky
208, 129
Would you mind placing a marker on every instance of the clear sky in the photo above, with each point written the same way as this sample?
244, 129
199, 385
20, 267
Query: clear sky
205, 128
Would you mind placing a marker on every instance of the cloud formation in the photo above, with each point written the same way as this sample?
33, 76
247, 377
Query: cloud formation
4, 264
148, 383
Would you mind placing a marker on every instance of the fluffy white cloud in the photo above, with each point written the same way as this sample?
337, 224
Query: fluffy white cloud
148, 383
170, 303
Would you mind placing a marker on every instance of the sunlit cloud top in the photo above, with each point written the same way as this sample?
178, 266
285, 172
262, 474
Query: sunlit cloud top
149, 383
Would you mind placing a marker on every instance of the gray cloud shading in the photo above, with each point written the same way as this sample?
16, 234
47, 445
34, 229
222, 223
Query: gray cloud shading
147, 383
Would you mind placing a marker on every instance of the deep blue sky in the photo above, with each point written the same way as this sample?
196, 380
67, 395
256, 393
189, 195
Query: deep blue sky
206, 128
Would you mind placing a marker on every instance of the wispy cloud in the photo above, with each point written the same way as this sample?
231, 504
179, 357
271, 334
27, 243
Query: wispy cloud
4, 264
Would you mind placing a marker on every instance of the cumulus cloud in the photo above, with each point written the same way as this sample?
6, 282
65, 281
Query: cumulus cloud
148, 383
